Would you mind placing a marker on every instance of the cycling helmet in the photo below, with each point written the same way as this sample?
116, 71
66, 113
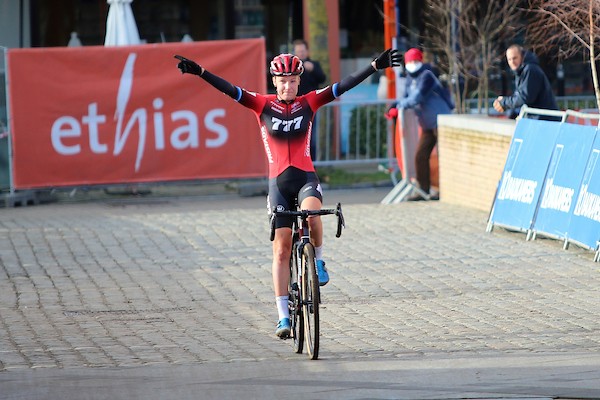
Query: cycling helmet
285, 65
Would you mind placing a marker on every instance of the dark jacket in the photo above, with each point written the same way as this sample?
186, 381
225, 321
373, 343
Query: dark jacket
427, 96
310, 81
532, 87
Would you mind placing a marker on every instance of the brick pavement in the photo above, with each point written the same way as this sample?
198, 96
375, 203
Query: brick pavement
186, 281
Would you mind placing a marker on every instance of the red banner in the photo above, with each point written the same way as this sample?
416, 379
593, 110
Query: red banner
102, 115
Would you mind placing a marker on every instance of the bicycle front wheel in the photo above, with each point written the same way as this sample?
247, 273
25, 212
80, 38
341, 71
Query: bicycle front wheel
310, 301
295, 305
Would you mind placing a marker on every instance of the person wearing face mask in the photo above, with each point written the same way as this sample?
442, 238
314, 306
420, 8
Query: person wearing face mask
532, 87
426, 95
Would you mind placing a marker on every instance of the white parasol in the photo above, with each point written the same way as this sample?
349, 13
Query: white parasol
121, 29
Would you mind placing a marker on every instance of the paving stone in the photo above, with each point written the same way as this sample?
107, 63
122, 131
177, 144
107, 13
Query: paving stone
174, 283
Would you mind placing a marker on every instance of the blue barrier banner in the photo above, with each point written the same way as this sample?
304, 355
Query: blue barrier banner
584, 227
524, 172
563, 179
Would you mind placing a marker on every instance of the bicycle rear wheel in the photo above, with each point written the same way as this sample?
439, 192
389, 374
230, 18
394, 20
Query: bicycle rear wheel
310, 301
295, 305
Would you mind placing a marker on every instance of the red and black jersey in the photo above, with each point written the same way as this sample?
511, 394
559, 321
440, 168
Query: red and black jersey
286, 127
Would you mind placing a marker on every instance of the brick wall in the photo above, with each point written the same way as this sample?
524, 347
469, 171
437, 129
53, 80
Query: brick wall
472, 152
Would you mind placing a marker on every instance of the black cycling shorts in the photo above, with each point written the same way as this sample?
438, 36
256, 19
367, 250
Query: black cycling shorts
288, 190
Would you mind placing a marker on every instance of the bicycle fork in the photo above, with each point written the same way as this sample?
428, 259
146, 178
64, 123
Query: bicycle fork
295, 285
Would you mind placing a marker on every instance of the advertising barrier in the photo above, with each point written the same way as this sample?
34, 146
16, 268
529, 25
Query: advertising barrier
562, 184
551, 183
584, 227
105, 115
523, 175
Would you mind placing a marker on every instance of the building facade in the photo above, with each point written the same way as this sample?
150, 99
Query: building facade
42, 23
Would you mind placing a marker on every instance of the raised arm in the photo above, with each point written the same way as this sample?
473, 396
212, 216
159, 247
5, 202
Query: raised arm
389, 58
188, 66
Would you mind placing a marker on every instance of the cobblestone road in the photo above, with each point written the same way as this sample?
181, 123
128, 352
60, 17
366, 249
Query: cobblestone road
171, 282
163, 282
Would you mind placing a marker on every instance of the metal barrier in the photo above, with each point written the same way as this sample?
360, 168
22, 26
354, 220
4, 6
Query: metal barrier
4, 126
354, 133
578, 103
357, 133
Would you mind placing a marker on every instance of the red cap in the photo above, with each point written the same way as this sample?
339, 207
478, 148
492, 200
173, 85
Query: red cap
413, 55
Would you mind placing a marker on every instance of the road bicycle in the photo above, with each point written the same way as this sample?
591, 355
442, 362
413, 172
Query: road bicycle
304, 294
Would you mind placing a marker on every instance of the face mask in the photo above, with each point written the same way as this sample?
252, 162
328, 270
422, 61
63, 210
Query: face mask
413, 67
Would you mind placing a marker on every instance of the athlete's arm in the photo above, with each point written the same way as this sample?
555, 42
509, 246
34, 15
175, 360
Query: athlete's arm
389, 58
221, 84
351, 81
190, 67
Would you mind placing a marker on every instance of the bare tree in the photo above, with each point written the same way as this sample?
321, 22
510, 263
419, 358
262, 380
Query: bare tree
569, 25
469, 34
495, 23
441, 37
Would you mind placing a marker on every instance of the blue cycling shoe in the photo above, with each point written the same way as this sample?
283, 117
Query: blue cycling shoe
284, 327
322, 272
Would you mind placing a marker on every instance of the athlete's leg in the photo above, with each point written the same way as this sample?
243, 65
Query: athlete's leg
282, 249
310, 197
314, 222
316, 236
282, 244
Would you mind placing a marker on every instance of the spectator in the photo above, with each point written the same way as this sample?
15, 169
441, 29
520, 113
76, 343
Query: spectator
426, 95
532, 87
312, 78
313, 75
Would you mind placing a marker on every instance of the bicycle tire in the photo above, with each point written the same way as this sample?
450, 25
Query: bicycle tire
295, 305
310, 301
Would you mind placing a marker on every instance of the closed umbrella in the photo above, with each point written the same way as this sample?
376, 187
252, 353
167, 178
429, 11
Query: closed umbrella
121, 29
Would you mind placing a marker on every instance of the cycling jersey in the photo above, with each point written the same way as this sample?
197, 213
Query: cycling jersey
286, 127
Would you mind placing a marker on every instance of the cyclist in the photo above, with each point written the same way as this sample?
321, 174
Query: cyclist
285, 121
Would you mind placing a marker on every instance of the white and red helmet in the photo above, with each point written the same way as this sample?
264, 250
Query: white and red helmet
286, 65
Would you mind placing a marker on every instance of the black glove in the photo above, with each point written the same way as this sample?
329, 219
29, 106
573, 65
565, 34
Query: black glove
389, 58
188, 66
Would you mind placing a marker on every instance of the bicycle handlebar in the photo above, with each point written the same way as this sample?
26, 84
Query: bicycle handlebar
303, 214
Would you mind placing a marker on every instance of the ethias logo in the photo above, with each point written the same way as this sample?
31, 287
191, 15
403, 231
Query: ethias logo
68, 133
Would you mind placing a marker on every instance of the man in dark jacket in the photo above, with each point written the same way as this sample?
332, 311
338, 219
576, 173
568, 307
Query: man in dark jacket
532, 87
313, 76
312, 79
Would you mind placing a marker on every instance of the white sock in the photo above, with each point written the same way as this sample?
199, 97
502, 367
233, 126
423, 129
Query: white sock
319, 252
282, 306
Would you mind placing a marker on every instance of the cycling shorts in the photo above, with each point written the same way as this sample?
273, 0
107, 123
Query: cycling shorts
288, 190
